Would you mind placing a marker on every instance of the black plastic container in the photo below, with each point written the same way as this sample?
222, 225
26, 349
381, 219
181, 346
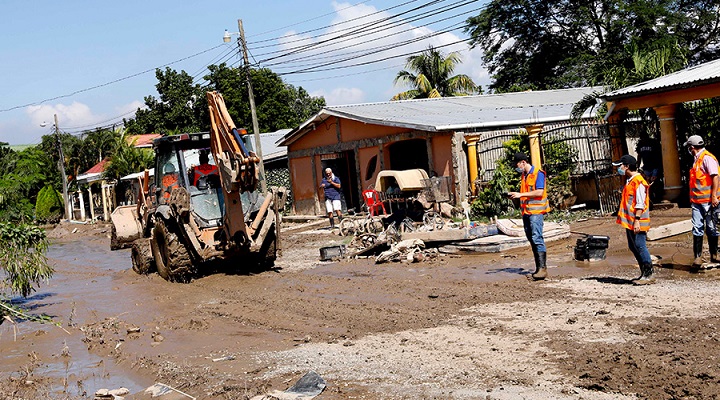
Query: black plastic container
591, 248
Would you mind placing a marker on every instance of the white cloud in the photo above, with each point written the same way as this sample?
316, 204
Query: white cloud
382, 43
73, 115
130, 108
340, 96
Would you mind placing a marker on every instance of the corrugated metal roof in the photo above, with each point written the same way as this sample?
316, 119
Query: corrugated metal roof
698, 75
460, 113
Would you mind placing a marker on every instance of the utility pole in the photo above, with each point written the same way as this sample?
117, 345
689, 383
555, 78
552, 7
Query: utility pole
253, 113
61, 165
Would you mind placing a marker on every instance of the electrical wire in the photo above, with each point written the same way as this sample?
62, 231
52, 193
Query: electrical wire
307, 70
111, 82
352, 30
326, 26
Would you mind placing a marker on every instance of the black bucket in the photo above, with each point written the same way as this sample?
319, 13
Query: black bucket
591, 248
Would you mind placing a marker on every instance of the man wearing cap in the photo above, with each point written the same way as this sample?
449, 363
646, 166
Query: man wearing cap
534, 205
704, 185
634, 215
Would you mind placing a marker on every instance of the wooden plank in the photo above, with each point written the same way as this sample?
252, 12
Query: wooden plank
498, 243
514, 227
663, 231
442, 235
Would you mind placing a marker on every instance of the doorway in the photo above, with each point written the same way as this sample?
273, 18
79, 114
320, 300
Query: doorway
409, 154
343, 166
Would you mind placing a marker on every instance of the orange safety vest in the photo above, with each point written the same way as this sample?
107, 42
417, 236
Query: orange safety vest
626, 213
700, 182
169, 182
533, 205
203, 170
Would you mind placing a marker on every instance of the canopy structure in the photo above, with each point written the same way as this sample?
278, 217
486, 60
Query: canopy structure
663, 94
406, 181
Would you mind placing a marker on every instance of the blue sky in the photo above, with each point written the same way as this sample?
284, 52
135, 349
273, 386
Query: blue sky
55, 54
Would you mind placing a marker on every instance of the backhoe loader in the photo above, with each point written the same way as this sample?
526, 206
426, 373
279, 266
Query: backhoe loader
185, 221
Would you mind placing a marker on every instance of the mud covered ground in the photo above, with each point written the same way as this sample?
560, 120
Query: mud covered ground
460, 327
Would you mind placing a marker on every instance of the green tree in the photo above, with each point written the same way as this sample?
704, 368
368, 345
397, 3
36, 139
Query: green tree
430, 74
49, 205
570, 43
22, 258
279, 105
127, 159
22, 175
181, 107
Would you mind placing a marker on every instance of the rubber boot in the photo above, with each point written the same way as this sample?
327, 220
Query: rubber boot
646, 275
697, 252
332, 222
713, 245
540, 267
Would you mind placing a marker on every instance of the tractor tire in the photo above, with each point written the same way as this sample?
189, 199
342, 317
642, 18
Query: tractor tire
114, 242
142, 256
268, 251
171, 256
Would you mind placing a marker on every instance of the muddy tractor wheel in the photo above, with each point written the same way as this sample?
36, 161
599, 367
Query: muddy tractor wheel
142, 257
114, 242
171, 256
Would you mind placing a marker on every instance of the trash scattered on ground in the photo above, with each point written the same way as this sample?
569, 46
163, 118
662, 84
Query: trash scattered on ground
114, 394
226, 358
163, 390
307, 387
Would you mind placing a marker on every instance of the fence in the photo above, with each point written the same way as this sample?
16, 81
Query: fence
584, 148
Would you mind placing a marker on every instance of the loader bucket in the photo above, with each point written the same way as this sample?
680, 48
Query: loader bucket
126, 227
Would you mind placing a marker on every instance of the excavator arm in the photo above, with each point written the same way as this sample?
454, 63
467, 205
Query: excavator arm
236, 165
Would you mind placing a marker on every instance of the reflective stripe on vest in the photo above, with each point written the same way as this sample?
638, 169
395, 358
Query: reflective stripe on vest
169, 182
626, 213
533, 205
700, 182
204, 170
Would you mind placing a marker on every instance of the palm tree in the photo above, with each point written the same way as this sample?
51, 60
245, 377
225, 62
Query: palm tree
430, 75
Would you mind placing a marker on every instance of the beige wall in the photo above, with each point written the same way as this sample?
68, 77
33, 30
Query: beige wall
368, 140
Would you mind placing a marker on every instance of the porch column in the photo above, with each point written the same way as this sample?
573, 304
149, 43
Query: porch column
92, 204
104, 200
534, 136
472, 161
82, 205
670, 154
618, 146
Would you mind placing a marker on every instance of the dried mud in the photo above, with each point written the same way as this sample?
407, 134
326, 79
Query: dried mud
459, 327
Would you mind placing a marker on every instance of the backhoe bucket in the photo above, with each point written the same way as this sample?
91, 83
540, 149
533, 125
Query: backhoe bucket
126, 227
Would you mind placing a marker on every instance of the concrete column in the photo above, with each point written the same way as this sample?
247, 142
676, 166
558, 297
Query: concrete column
618, 146
92, 204
534, 136
670, 154
104, 200
472, 161
82, 205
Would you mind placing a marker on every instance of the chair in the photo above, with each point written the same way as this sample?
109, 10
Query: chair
373, 203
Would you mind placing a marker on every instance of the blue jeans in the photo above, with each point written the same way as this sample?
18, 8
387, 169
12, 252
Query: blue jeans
702, 220
533, 225
636, 244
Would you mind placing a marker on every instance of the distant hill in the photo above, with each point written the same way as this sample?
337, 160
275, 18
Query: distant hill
20, 147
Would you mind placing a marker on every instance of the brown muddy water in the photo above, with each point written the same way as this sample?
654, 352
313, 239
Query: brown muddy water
90, 284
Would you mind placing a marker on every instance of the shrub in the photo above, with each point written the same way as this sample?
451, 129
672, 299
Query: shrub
49, 205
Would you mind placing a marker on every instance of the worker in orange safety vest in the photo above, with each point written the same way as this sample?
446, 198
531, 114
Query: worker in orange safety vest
704, 185
634, 215
534, 204
203, 170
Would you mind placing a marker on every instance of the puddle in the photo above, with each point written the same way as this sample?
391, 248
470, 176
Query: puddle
90, 284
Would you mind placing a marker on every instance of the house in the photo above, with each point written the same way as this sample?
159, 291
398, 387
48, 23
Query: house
437, 135
663, 95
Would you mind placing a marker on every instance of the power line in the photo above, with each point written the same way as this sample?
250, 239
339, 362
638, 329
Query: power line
353, 30
111, 82
307, 70
308, 20
328, 26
